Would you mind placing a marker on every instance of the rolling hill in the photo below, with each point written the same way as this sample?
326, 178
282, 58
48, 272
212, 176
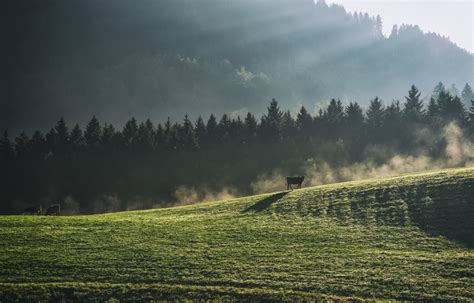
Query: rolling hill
402, 238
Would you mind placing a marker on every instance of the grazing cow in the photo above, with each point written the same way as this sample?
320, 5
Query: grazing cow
294, 180
53, 210
33, 210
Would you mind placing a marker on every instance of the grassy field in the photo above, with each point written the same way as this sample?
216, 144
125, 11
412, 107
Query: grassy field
402, 238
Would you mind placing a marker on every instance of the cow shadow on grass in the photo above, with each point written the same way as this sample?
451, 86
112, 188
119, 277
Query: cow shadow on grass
266, 202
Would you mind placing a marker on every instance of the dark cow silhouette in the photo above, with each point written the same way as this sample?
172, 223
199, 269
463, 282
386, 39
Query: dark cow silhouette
294, 181
33, 210
53, 210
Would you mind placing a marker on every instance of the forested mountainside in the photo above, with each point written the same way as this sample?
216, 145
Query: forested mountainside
154, 59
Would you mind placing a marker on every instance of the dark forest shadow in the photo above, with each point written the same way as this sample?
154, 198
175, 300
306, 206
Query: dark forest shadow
265, 203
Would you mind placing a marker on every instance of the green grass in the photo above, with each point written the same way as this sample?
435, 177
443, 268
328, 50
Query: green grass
401, 238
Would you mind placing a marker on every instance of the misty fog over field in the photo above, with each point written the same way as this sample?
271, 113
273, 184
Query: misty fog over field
118, 59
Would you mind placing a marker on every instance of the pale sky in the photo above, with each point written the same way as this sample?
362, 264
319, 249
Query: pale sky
451, 18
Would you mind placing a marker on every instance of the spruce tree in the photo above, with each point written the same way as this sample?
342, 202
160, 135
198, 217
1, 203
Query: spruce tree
270, 127
22, 145
304, 121
439, 88
413, 109
250, 128
212, 131
109, 139
130, 132
39, 147
93, 134
77, 139
353, 116
200, 131
224, 129
146, 136
287, 126
186, 135
467, 95
375, 119
6, 148
61, 139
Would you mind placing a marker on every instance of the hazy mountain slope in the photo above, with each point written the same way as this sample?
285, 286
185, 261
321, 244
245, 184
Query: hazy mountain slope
404, 238
165, 58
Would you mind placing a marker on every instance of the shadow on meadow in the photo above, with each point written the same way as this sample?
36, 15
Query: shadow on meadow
266, 202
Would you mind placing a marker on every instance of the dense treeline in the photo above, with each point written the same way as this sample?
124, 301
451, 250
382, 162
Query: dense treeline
147, 162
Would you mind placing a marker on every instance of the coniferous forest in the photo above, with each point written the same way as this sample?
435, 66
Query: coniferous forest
104, 167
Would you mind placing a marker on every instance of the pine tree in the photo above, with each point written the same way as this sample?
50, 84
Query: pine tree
77, 139
451, 108
471, 117
39, 147
353, 116
212, 131
110, 138
6, 148
413, 110
224, 129
250, 128
237, 131
378, 26
146, 136
439, 88
270, 127
394, 32
22, 145
287, 126
61, 139
200, 131
393, 121
467, 95
304, 121
375, 119
160, 141
93, 134
186, 136
130, 132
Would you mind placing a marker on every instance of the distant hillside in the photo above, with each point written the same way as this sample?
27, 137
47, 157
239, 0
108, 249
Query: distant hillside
400, 238
118, 58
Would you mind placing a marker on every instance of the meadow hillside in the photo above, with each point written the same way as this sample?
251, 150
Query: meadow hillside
401, 238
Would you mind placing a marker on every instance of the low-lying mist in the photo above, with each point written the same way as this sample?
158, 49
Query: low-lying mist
458, 152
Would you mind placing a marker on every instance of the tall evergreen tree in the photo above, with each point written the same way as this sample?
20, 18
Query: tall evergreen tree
467, 95
288, 126
353, 116
6, 148
93, 134
77, 138
130, 132
451, 108
393, 121
270, 128
375, 119
439, 88
146, 136
200, 131
413, 109
250, 128
212, 130
110, 138
22, 145
61, 139
304, 121
39, 146
224, 129
187, 136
